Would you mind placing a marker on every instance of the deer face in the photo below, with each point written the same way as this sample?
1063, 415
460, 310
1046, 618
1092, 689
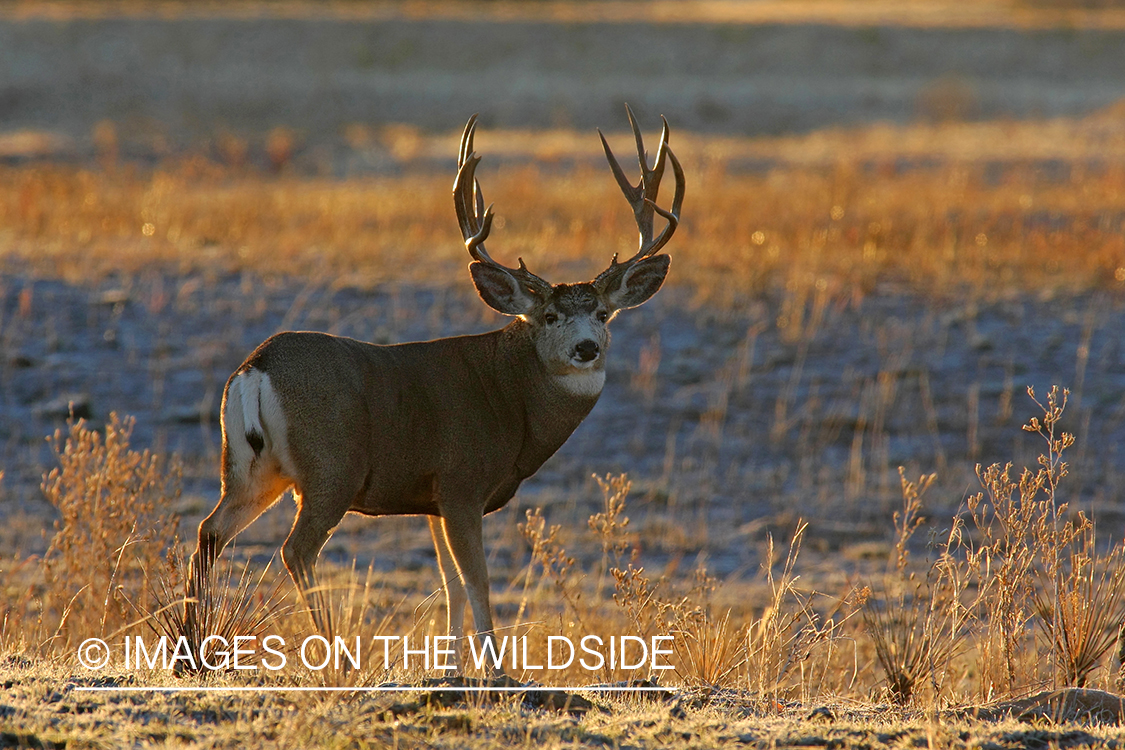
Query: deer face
570, 329
569, 322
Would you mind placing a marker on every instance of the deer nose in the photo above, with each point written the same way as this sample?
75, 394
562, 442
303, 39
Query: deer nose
586, 351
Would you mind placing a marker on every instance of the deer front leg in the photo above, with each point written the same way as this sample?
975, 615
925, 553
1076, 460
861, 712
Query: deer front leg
455, 598
463, 533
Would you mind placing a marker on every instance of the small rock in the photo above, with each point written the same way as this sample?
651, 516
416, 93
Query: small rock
555, 700
823, 713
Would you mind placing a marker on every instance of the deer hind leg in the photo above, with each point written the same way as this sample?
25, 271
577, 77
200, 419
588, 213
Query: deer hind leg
318, 513
244, 498
455, 597
238, 507
254, 476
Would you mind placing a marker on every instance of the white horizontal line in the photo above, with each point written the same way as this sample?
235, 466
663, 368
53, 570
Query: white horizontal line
402, 689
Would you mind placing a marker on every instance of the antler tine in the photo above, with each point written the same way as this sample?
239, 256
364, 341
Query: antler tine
642, 196
474, 219
466, 166
635, 194
466, 146
641, 156
468, 219
618, 173
672, 216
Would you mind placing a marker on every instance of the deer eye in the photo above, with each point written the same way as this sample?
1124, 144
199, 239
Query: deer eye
603, 316
551, 318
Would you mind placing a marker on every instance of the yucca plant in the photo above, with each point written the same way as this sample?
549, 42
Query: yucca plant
710, 650
225, 606
1081, 609
917, 622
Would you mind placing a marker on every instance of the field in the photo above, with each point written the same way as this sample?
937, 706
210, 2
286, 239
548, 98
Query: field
798, 470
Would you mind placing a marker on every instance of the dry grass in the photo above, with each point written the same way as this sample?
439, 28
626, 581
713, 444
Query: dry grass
951, 621
869, 210
740, 664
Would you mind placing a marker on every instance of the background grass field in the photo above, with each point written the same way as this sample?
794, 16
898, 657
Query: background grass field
844, 301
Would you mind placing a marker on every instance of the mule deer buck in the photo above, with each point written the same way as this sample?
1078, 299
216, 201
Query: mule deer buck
446, 428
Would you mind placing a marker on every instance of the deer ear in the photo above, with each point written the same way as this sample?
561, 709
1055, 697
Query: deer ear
500, 290
642, 280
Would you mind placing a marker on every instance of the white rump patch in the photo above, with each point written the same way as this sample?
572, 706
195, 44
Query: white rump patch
588, 382
251, 405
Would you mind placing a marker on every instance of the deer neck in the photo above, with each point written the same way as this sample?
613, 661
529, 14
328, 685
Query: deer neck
553, 405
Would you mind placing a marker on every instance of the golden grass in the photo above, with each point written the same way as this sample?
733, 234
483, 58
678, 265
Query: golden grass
764, 653
950, 628
814, 232
837, 229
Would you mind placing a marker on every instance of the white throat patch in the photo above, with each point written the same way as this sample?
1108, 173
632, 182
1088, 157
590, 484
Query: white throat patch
587, 382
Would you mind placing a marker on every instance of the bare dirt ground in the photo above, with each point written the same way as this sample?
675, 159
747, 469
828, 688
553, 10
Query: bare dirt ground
702, 432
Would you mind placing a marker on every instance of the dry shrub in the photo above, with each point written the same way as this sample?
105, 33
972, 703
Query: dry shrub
554, 562
1079, 601
114, 526
1038, 562
917, 622
1022, 530
579, 613
1025, 559
773, 639
712, 647
707, 649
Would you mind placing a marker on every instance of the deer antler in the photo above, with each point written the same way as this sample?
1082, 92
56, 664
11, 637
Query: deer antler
476, 220
642, 196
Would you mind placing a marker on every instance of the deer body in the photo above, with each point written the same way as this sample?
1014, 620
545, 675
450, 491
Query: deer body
402, 421
446, 428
